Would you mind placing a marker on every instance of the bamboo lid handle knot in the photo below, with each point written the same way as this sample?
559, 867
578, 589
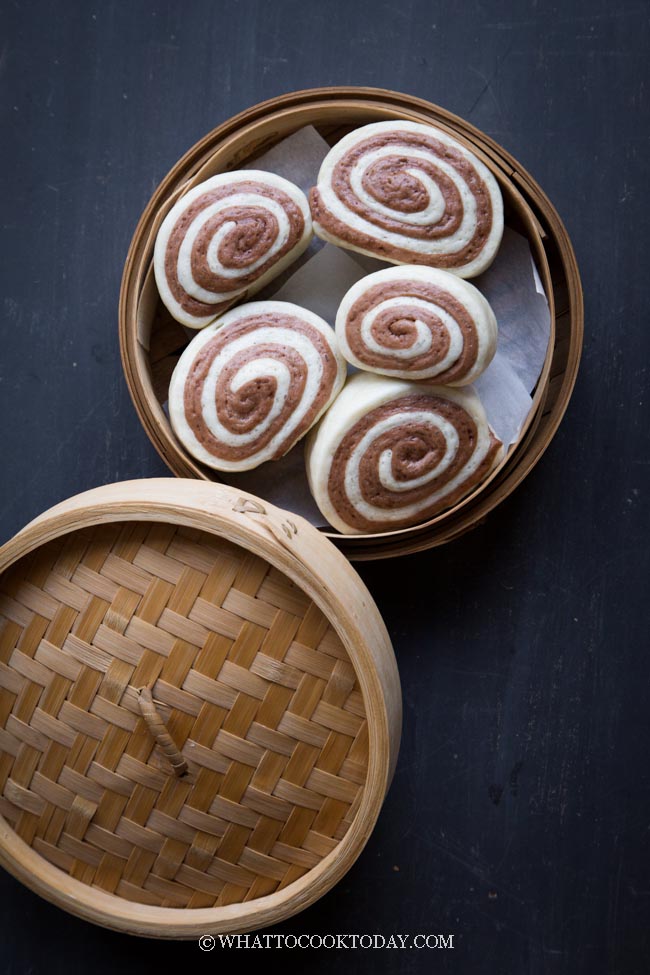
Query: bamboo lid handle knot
159, 732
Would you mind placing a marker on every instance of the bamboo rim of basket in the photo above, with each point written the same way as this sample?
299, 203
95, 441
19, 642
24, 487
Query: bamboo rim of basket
339, 593
266, 123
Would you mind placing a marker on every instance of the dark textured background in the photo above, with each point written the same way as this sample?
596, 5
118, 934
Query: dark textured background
519, 816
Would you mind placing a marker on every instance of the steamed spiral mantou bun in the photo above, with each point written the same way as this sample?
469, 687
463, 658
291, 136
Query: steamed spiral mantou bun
410, 194
417, 323
225, 239
250, 385
390, 454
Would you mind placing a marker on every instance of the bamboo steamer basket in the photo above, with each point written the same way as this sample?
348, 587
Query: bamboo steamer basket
200, 709
151, 341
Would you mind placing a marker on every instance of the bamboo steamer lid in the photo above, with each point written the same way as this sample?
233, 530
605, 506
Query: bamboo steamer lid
200, 709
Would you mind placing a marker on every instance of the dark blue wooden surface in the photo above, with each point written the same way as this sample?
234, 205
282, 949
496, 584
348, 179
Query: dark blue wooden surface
519, 817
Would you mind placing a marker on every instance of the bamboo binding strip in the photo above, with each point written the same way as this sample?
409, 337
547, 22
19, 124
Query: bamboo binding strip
197, 728
159, 732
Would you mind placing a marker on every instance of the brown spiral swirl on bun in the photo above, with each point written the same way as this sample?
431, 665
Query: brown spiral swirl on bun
226, 238
410, 194
390, 454
417, 323
250, 385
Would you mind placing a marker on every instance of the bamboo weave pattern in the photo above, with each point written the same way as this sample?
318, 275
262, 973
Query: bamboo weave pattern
254, 687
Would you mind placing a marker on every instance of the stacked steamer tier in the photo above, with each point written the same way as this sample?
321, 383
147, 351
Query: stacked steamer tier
152, 342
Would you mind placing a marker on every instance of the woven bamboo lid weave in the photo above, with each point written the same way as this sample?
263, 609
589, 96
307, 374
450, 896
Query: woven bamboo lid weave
199, 709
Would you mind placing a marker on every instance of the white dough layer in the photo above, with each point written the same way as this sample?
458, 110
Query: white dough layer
250, 204
352, 329
363, 394
252, 369
361, 233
